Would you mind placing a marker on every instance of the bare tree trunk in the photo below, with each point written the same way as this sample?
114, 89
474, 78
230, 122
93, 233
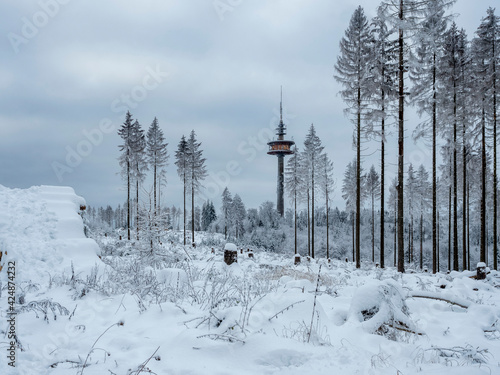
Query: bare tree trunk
128, 199
137, 207
353, 239
327, 230
295, 221
401, 126
312, 209
437, 244
421, 241
495, 182
435, 254
410, 224
358, 182
373, 228
308, 224
154, 183
455, 194
382, 188
192, 213
464, 200
449, 226
482, 254
395, 232
468, 225
184, 213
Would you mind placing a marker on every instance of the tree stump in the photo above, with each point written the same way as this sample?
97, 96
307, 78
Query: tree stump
230, 257
481, 271
296, 259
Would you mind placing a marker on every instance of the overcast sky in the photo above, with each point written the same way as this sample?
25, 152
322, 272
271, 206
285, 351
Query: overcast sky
71, 68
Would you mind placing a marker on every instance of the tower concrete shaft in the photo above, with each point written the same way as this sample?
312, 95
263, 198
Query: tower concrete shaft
280, 205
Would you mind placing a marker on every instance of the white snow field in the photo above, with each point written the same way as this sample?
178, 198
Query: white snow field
185, 312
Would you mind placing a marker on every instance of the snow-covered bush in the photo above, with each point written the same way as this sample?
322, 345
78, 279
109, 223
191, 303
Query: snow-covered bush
380, 308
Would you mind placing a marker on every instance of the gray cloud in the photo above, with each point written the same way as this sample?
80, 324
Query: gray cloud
225, 71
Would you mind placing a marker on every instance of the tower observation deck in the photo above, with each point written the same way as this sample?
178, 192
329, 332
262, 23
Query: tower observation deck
280, 148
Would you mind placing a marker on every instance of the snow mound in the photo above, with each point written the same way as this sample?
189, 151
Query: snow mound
380, 305
41, 230
230, 246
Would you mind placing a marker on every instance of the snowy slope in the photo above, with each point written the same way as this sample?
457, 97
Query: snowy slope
184, 312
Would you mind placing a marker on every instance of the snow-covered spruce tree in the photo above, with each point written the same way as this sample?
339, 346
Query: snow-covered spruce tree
372, 184
208, 215
488, 35
181, 161
162, 181
393, 203
268, 215
467, 117
404, 17
227, 203
424, 71
423, 202
349, 194
125, 159
197, 172
410, 203
452, 81
139, 164
312, 158
294, 182
150, 223
478, 92
326, 184
157, 156
382, 96
446, 180
352, 72
239, 215
305, 189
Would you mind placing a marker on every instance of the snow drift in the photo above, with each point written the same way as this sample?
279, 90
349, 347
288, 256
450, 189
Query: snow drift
41, 230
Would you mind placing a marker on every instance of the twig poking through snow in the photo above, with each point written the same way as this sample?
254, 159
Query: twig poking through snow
314, 305
285, 309
216, 336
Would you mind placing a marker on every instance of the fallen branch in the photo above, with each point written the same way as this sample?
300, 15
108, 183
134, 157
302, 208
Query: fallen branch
77, 363
452, 301
405, 329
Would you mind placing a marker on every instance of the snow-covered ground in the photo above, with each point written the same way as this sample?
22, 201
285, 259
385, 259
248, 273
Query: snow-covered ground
185, 312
